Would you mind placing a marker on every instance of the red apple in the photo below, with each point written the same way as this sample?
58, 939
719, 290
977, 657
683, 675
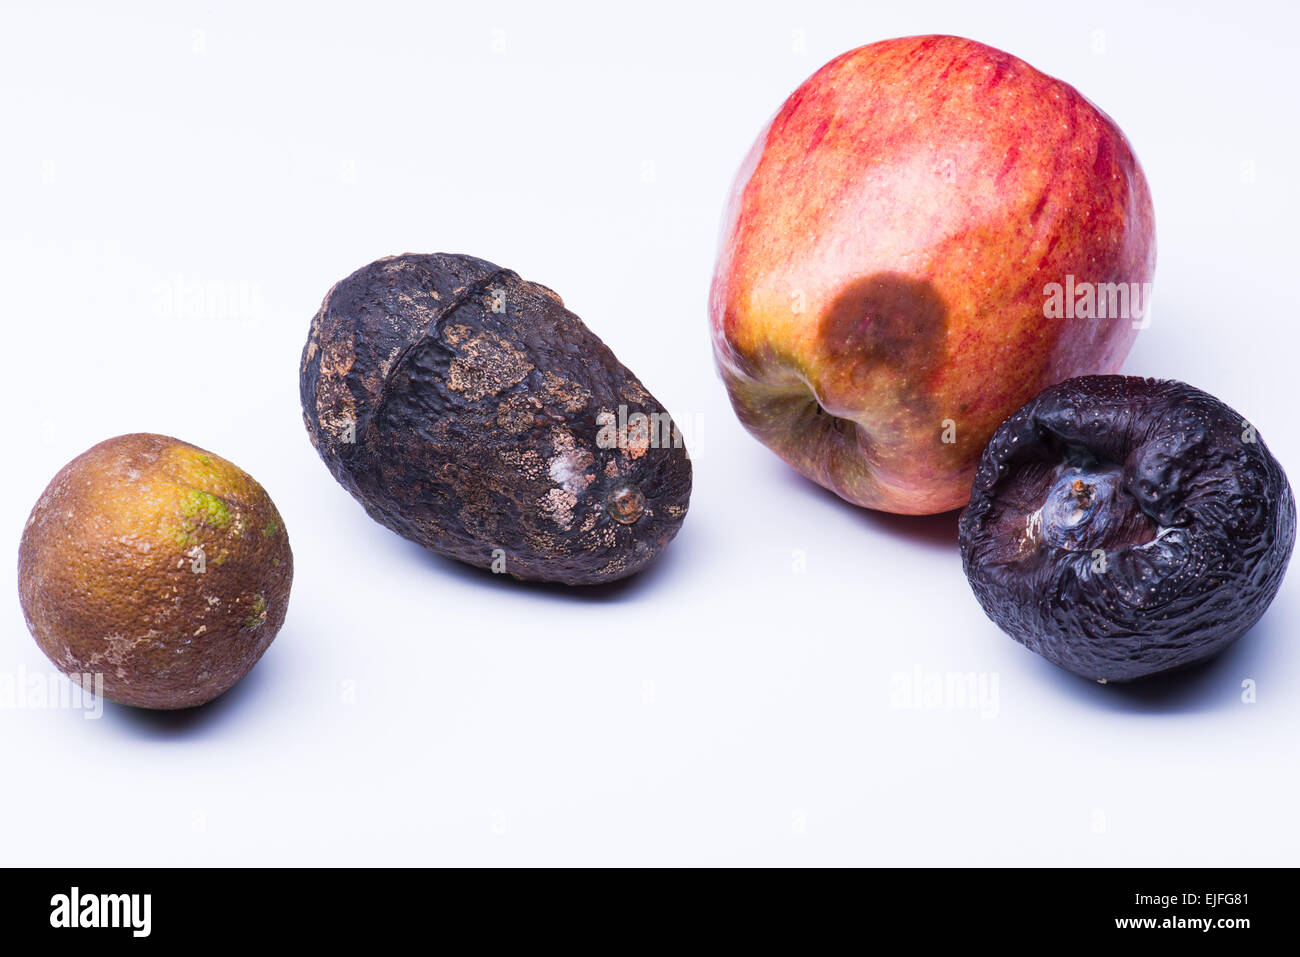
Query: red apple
901, 257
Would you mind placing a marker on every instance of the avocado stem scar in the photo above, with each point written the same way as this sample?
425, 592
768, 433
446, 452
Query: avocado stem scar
626, 504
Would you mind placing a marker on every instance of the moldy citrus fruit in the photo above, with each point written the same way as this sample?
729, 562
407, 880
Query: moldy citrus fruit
164, 568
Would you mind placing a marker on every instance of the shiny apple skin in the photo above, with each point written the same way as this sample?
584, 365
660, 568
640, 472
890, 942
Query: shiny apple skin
877, 306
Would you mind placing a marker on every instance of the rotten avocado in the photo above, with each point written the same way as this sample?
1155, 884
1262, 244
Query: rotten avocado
469, 411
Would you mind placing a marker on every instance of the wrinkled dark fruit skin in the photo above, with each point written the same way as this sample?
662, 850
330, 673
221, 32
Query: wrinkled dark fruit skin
1182, 461
475, 400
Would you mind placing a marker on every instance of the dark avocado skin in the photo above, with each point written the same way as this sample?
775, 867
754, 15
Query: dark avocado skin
1187, 463
475, 401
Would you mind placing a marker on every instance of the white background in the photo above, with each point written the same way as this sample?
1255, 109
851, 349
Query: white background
724, 707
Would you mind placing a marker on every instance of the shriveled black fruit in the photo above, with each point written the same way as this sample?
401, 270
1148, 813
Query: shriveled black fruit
469, 411
1122, 526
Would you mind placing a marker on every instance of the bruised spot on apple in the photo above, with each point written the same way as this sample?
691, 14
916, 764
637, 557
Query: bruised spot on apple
885, 326
883, 336
878, 305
